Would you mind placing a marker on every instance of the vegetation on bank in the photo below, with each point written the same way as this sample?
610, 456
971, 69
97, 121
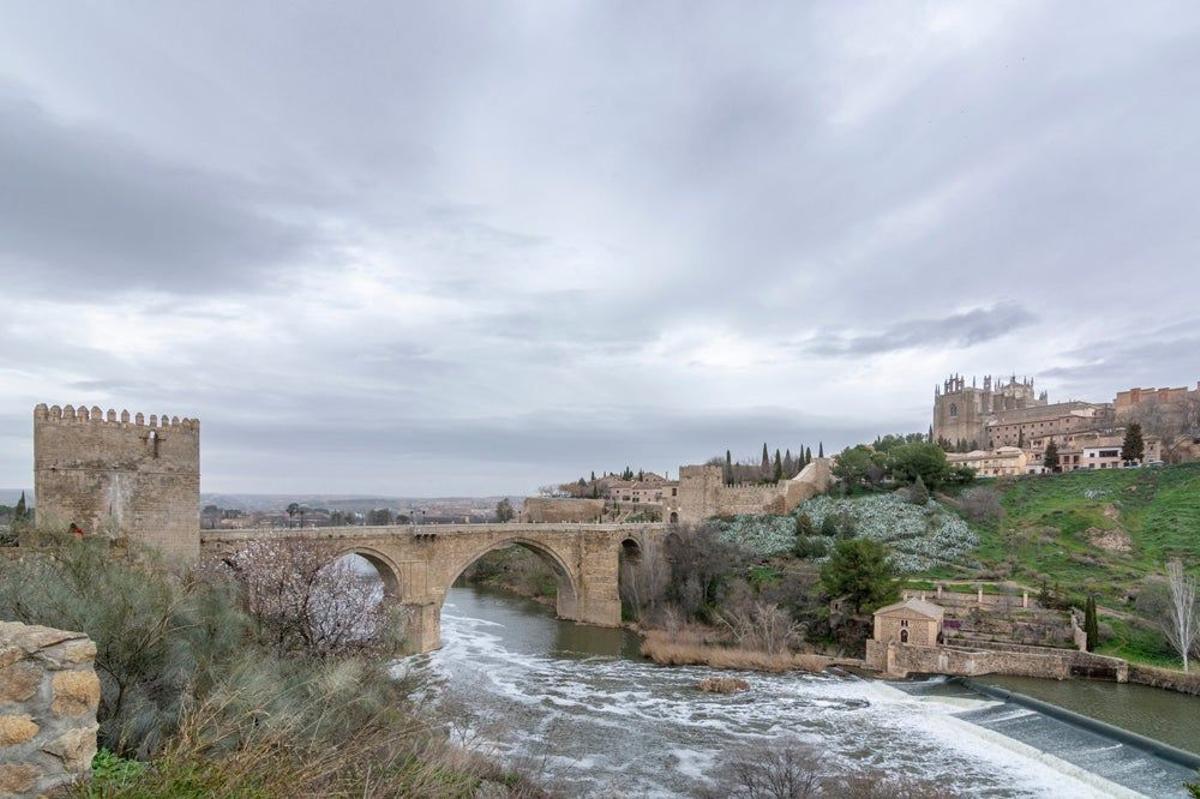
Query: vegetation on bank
242, 679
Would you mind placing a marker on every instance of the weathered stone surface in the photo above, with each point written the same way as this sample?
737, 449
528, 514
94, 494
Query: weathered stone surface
19, 681
75, 692
45, 744
71, 653
17, 729
119, 477
17, 778
75, 747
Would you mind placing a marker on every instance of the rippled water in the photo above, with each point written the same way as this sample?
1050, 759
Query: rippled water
575, 704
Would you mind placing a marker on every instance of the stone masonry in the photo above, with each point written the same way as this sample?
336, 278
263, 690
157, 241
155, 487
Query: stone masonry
49, 694
119, 476
419, 563
703, 493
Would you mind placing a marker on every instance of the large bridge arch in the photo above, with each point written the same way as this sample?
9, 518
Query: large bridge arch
389, 573
567, 601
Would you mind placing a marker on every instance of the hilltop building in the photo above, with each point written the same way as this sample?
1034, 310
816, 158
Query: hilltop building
961, 413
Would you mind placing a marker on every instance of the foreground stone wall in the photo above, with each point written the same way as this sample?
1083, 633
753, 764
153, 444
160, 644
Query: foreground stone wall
49, 694
1165, 678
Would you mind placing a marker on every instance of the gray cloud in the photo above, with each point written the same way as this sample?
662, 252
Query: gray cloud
960, 330
83, 212
448, 248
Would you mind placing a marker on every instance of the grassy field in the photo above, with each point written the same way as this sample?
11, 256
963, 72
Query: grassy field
1053, 528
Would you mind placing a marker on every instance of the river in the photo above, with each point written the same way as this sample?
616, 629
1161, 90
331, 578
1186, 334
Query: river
576, 706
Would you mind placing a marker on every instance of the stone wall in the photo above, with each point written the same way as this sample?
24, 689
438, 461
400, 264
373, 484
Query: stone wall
1165, 678
703, 493
119, 476
900, 660
48, 699
549, 510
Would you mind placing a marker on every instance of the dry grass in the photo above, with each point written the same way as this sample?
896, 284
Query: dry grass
722, 685
691, 649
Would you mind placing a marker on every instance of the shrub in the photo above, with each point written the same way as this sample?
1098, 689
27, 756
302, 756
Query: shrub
981, 504
155, 634
918, 494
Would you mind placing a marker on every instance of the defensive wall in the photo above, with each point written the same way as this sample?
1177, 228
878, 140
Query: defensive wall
120, 476
704, 494
559, 510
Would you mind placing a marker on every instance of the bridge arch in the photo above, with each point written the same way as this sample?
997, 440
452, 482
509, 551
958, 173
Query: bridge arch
388, 572
567, 580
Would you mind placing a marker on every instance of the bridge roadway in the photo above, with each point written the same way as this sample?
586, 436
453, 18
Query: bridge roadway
419, 563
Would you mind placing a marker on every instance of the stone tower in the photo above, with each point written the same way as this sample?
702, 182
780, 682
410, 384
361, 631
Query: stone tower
119, 477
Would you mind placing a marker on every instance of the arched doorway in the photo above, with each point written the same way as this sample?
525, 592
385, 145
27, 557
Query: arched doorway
674, 517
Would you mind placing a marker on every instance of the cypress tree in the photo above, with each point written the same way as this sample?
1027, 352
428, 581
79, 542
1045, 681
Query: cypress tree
820, 449
778, 473
766, 461
1134, 447
1091, 625
1050, 459
789, 465
807, 455
19, 511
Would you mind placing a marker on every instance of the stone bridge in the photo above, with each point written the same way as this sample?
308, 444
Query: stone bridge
419, 563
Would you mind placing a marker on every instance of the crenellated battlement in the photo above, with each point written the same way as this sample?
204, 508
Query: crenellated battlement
69, 414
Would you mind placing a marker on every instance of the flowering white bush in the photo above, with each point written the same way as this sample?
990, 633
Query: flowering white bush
920, 536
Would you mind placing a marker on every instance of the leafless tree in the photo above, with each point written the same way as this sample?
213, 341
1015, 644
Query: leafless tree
1176, 423
1182, 627
644, 579
762, 625
305, 597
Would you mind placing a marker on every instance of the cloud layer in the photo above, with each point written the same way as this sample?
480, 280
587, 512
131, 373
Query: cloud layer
462, 249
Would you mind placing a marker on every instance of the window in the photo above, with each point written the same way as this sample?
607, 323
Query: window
954, 409
904, 636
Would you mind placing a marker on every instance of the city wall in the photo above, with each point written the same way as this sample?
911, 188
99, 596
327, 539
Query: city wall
541, 510
703, 493
49, 694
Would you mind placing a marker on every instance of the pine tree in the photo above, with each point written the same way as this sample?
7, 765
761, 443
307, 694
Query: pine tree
1050, 459
1133, 450
1091, 625
918, 494
778, 470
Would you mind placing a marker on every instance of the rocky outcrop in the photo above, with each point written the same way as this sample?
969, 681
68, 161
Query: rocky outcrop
49, 693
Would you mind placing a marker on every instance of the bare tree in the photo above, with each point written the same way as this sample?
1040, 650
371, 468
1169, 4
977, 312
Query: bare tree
1183, 627
762, 625
305, 597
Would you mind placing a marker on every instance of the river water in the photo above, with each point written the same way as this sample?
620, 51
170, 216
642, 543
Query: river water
576, 706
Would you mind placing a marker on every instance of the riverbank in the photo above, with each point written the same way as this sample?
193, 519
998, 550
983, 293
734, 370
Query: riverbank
689, 648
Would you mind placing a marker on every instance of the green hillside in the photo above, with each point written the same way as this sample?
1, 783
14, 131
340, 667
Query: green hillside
1100, 531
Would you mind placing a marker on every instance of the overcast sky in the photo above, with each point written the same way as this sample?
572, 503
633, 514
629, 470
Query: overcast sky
469, 248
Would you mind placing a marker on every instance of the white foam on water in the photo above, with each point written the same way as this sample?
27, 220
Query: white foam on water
620, 727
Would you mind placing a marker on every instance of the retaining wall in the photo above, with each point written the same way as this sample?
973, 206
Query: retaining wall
49, 694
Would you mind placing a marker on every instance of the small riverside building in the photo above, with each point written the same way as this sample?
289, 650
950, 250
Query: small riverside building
913, 621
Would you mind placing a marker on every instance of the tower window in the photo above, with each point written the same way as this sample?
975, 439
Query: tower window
954, 409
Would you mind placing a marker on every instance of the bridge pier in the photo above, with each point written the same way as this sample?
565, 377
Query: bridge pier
424, 633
